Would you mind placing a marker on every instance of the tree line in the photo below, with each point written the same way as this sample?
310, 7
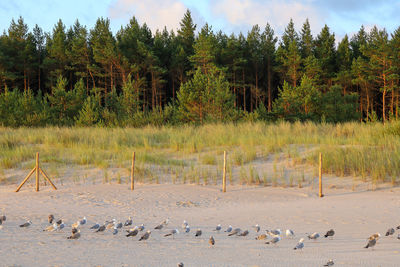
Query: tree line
80, 76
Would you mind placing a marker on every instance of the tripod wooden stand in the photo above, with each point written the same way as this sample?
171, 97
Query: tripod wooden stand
36, 169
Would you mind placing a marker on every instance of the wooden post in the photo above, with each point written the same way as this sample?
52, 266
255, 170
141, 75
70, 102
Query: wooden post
37, 171
132, 172
320, 175
224, 175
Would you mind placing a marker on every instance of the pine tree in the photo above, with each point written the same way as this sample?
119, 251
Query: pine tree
268, 48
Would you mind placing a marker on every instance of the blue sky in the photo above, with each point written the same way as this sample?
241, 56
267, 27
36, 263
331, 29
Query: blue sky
342, 16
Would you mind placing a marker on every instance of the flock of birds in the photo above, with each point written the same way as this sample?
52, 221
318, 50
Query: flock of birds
270, 236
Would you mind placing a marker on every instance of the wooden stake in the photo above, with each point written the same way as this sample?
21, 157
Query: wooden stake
132, 172
47, 178
37, 171
26, 179
320, 175
224, 176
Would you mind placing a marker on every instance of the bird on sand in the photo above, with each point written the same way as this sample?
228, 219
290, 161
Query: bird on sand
187, 229
299, 244
211, 241
398, 237
274, 240
172, 233
3, 218
75, 234
76, 225
115, 230
95, 226
390, 231
244, 233
314, 236
371, 243
256, 228
27, 224
274, 232
128, 222
101, 229
375, 236
141, 227
235, 232
50, 219
145, 236
218, 228
229, 229
198, 233
133, 232
184, 224
51, 228
329, 263
261, 237
289, 233
330, 233
83, 221
61, 226
180, 264
398, 227
118, 225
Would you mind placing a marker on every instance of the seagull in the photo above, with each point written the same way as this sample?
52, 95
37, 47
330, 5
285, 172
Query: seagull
128, 222
28, 223
257, 228
329, 263
244, 233
75, 235
133, 232
274, 232
371, 243
229, 229
96, 226
119, 225
261, 237
398, 237
145, 236
198, 232
299, 244
173, 232
50, 219
101, 229
61, 226
389, 232
187, 229
235, 232
375, 236
111, 224
83, 221
218, 228
274, 240
184, 224
313, 236
180, 264
289, 233
330, 233
115, 231
51, 228
211, 241
141, 227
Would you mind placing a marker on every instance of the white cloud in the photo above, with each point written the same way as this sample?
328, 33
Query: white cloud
276, 12
156, 14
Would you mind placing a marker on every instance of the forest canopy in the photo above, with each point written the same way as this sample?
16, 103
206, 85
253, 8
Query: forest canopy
85, 77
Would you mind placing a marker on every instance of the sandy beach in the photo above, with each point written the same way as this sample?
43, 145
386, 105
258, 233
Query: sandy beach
353, 215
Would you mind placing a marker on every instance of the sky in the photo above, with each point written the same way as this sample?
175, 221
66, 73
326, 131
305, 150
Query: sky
230, 16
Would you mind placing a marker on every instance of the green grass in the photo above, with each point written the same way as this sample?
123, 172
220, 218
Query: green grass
370, 151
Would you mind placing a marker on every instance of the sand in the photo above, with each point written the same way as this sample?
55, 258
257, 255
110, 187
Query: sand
353, 215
